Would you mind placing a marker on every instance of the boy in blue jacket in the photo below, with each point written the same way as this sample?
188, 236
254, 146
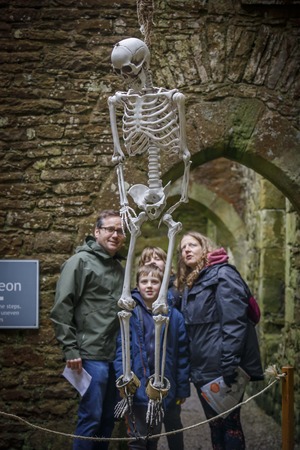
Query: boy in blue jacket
149, 278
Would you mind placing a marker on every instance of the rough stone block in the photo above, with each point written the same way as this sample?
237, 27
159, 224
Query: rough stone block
271, 229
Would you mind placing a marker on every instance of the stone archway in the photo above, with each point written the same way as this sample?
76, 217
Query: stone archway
224, 215
246, 131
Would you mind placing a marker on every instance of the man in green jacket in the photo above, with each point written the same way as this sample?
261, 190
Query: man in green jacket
86, 324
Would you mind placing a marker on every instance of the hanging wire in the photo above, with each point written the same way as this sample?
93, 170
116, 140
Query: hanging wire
145, 11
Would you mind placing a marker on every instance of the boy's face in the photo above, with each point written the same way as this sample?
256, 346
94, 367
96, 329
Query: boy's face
149, 287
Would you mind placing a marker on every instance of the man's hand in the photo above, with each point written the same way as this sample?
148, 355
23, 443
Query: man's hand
75, 364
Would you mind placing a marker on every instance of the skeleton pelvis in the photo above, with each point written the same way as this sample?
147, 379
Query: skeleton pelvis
145, 197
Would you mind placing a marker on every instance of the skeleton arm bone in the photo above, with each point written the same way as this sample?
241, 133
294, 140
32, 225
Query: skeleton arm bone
185, 154
184, 187
118, 155
127, 213
179, 99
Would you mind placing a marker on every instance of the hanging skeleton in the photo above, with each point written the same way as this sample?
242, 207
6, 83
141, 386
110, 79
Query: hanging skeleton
153, 122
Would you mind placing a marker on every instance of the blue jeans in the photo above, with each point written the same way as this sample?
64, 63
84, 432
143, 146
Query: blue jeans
96, 407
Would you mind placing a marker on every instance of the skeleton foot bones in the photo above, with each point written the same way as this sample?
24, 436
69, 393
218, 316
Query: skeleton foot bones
153, 122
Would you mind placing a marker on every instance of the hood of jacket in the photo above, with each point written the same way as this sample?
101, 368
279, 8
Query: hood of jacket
91, 245
218, 256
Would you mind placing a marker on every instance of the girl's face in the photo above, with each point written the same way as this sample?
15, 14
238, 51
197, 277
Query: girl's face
155, 259
149, 286
191, 251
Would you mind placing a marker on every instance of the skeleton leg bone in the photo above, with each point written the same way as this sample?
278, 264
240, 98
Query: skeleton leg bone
158, 386
159, 363
124, 318
126, 301
160, 306
128, 382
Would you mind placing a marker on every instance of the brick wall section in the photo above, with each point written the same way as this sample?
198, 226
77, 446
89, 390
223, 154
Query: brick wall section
56, 146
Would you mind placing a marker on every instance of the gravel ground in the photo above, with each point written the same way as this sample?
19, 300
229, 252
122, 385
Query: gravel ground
261, 431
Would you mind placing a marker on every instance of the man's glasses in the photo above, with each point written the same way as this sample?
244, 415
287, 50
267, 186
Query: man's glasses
112, 230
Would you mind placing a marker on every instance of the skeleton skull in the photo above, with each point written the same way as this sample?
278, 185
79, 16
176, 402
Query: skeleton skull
129, 57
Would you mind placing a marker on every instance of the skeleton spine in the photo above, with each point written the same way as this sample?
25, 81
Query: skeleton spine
154, 168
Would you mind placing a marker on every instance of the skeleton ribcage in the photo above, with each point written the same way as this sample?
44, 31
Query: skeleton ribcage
150, 120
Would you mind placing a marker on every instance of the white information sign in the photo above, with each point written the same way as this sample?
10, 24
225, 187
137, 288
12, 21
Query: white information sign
19, 293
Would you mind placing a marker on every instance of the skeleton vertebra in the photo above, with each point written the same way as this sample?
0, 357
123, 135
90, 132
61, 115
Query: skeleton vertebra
153, 121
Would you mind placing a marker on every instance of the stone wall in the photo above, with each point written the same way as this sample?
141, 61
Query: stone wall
238, 64
273, 270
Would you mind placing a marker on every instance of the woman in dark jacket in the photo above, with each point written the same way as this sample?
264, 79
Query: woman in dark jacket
222, 337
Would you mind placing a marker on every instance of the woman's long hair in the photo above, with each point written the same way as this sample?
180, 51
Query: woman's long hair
187, 275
